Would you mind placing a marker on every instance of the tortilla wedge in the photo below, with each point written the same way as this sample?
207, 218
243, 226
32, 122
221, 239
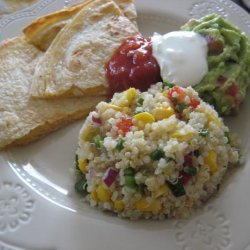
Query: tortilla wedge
43, 30
23, 119
74, 64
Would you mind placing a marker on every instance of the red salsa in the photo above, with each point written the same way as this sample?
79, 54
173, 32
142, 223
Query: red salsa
132, 65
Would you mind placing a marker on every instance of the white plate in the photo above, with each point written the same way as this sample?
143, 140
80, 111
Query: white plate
39, 208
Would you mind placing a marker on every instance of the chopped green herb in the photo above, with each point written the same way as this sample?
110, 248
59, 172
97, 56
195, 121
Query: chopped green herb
190, 170
227, 135
130, 181
81, 185
204, 132
129, 175
129, 171
77, 162
177, 189
168, 85
140, 101
119, 146
241, 158
197, 153
98, 140
168, 159
157, 154
180, 107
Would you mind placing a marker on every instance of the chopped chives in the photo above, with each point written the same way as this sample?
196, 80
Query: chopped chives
119, 146
226, 134
81, 185
197, 153
98, 140
140, 101
180, 107
177, 189
204, 132
129, 176
168, 85
77, 162
129, 171
157, 154
190, 170
130, 181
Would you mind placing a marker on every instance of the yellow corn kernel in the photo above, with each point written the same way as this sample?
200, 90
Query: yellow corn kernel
130, 94
182, 136
165, 92
145, 117
211, 161
103, 194
212, 118
115, 107
161, 191
161, 113
119, 205
83, 165
93, 196
144, 206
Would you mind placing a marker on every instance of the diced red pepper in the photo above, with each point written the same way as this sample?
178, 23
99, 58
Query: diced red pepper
124, 125
188, 169
185, 178
194, 103
188, 160
180, 98
185, 175
180, 94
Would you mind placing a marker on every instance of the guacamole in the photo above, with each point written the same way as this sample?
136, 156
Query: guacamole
225, 84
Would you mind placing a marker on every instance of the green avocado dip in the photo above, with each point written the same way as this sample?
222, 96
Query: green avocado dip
225, 84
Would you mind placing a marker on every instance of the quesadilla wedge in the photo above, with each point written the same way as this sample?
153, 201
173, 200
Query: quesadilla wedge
74, 64
43, 30
23, 119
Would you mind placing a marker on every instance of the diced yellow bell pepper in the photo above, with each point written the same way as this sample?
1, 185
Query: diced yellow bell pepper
119, 205
88, 132
103, 194
211, 161
115, 107
212, 118
182, 136
144, 206
161, 191
161, 113
145, 117
130, 94
93, 196
83, 165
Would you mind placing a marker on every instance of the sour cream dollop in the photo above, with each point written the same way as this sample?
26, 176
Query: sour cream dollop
182, 57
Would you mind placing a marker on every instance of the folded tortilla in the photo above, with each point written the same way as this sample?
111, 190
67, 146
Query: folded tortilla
43, 30
74, 64
23, 119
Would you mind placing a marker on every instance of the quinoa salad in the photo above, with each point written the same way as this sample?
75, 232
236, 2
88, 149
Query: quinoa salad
156, 154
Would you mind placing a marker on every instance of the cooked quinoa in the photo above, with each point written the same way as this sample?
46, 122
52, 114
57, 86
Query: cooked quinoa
156, 154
